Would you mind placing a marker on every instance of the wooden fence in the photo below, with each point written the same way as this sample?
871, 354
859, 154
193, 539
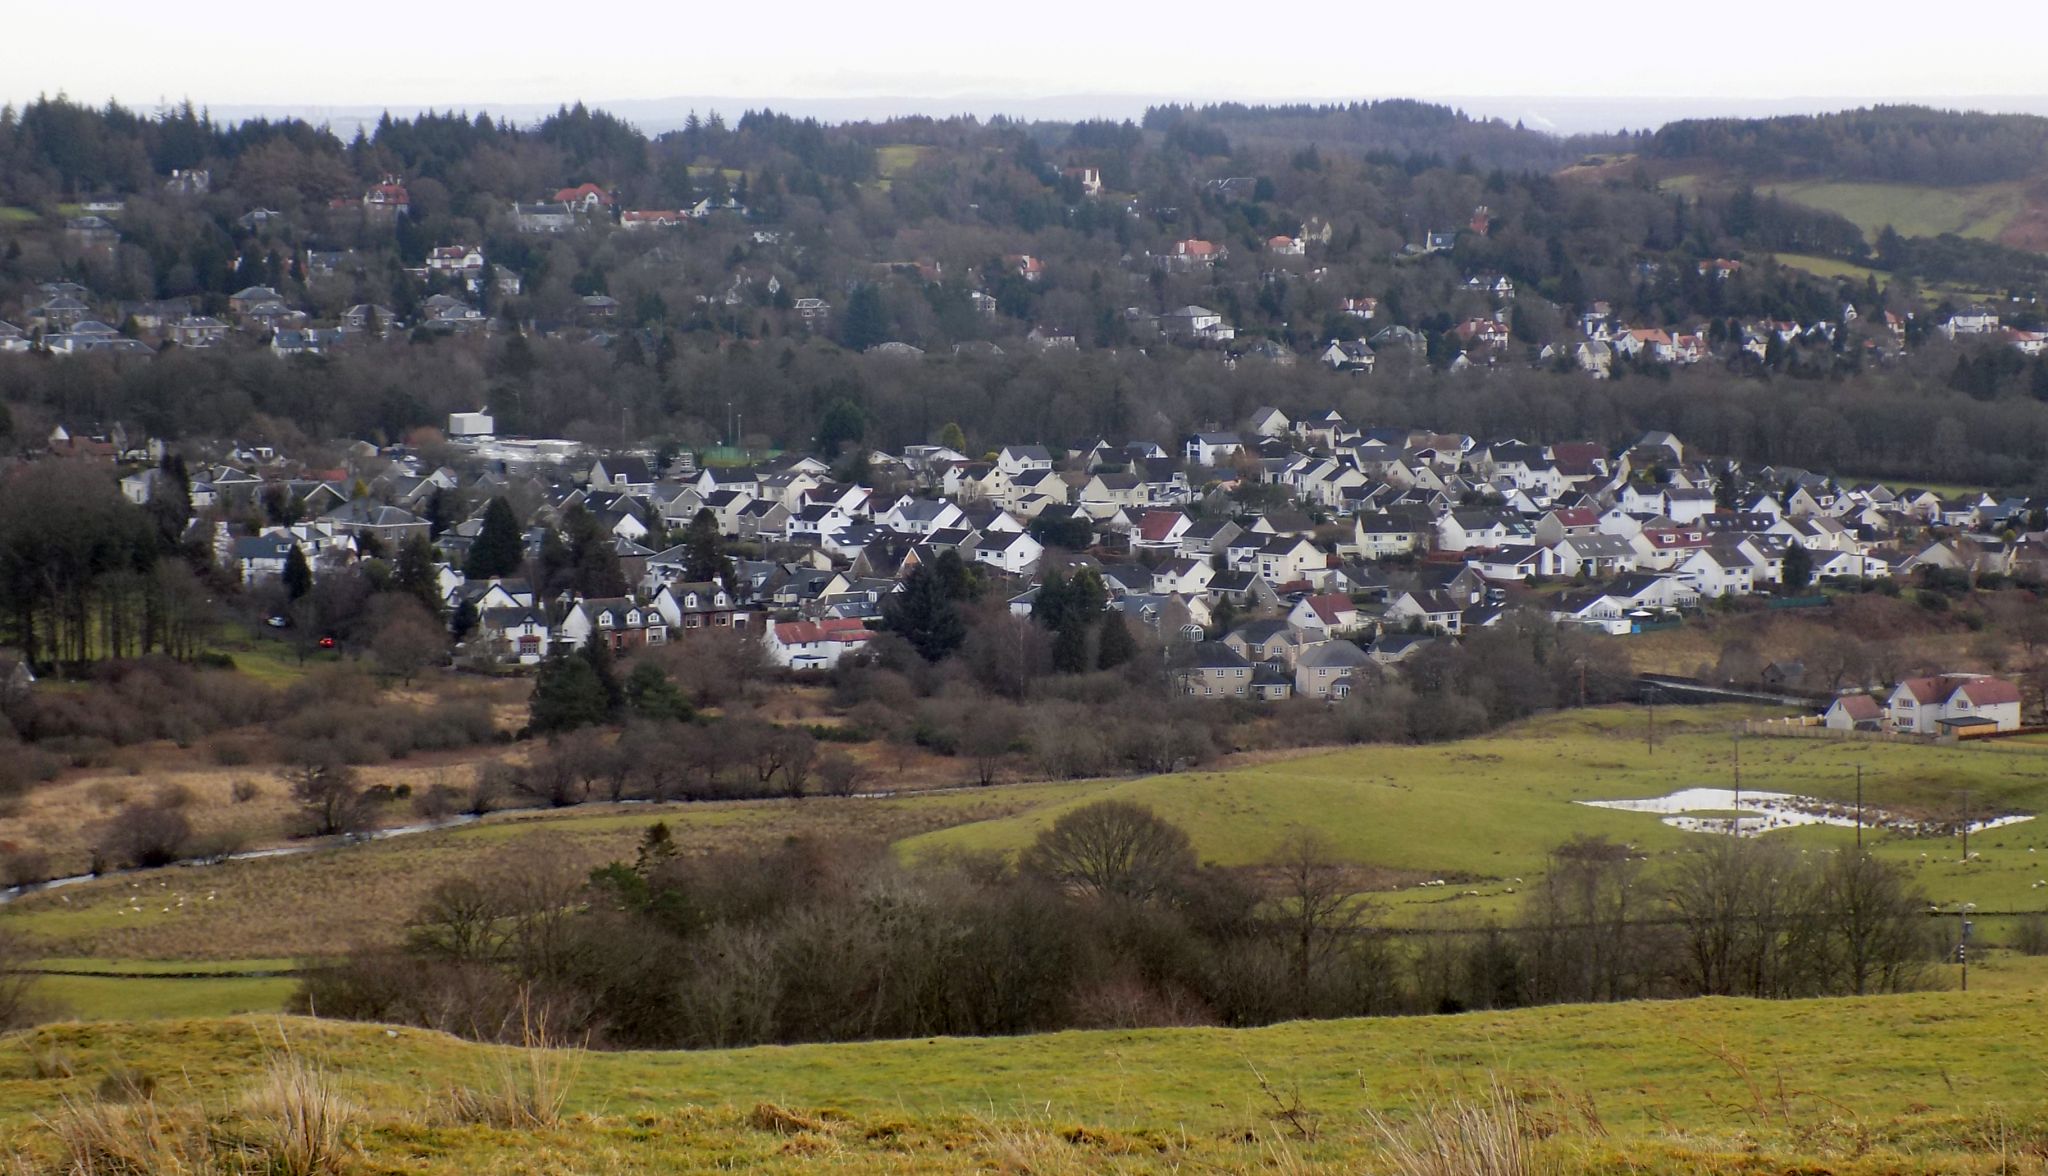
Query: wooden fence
1811, 727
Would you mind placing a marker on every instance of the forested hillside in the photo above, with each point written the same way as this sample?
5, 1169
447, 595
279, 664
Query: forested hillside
1023, 280
1911, 144
1397, 127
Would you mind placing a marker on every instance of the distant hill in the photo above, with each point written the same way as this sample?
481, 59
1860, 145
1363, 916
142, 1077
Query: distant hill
1902, 144
1395, 126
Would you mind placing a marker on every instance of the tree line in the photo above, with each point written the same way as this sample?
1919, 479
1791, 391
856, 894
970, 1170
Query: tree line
1107, 919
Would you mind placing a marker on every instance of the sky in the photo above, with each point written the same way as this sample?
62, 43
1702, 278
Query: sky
950, 57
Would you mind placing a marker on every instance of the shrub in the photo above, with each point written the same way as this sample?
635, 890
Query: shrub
2030, 935
230, 753
25, 866
143, 836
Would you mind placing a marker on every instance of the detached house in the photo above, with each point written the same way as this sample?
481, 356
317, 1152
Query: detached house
619, 622
815, 645
1012, 551
514, 633
1953, 703
1329, 670
1212, 449
1211, 669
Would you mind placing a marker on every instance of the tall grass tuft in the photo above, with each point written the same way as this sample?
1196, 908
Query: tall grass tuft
524, 1086
101, 1138
1489, 1137
303, 1122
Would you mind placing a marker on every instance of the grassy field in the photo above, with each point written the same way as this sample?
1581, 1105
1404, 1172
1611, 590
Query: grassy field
151, 998
1935, 1082
1982, 211
1829, 267
11, 215
1484, 813
1451, 833
310, 903
893, 160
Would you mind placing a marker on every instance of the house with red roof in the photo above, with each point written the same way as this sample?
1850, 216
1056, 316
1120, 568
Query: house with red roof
815, 645
1160, 530
1192, 253
388, 197
1323, 615
583, 197
1854, 712
1948, 704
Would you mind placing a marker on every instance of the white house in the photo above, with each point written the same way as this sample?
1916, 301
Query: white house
1211, 449
1951, 703
1012, 551
815, 645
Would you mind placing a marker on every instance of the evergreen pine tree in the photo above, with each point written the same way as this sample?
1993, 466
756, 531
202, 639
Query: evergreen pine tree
598, 654
1049, 607
566, 695
1117, 646
1798, 572
416, 575
657, 847
464, 620
499, 549
298, 574
867, 320
651, 695
704, 558
925, 615
1070, 649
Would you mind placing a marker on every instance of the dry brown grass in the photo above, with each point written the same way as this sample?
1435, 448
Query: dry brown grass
291, 1123
99, 1138
302, 1123
59, 818
522, 1088
1458, 1136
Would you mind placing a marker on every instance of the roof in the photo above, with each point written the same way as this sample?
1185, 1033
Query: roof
1214, 655
846, 630
1330, 607
1332, 654
1990, 691
1155, 526
1860, 707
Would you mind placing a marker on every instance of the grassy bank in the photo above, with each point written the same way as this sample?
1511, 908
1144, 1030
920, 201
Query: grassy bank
1924, 1083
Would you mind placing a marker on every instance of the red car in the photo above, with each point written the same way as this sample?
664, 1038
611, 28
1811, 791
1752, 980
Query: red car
327, 643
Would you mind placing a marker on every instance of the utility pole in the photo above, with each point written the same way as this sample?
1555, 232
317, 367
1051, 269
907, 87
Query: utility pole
1736, 741
1966, 826
1859, 809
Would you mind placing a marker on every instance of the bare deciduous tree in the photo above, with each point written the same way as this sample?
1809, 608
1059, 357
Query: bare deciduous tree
839, 774
331, 801
1112, 849
1316, 904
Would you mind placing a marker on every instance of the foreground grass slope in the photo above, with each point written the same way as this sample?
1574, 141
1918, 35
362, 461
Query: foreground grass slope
1930, 1082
